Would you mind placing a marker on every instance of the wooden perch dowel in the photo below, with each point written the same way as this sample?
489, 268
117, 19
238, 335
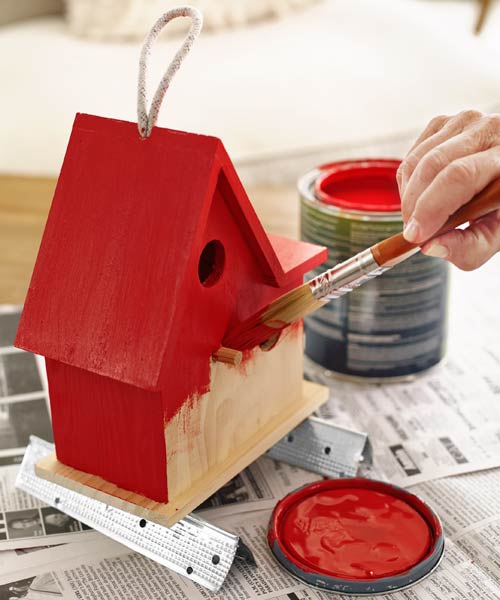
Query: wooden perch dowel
228, 355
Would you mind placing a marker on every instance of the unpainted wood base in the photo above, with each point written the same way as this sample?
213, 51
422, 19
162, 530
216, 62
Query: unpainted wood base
241, 401
169, 513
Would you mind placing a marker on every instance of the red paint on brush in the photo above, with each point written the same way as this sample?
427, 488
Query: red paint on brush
251, 334
360, 185
354, 529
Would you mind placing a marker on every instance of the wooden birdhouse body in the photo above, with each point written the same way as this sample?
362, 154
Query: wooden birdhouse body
151, 253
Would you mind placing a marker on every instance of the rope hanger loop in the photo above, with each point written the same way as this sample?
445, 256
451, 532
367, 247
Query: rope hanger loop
146, 121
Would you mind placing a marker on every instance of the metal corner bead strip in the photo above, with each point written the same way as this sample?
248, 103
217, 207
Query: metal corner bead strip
192, 547
319, 446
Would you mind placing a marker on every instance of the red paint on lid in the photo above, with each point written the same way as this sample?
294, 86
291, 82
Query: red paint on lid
354, 529
361, 185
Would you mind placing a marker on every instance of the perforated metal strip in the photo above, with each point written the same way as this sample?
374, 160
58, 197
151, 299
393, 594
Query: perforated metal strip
319, 446
192, 547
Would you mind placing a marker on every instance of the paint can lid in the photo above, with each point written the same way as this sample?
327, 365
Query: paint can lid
361, 185
355, 536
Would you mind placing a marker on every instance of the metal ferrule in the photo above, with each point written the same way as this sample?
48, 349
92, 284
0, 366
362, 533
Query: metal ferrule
346, 276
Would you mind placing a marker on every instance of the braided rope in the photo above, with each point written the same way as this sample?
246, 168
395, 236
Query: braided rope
146, 121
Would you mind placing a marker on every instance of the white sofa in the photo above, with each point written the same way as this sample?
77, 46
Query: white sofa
341, 78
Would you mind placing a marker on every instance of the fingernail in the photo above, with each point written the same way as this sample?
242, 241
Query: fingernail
411, 230
437, 250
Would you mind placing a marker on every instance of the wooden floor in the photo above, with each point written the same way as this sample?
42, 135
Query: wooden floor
25, 202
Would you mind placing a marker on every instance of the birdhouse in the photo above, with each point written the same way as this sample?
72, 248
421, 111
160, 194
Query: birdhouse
151, 254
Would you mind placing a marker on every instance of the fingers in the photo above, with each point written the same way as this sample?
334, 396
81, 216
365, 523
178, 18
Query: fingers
468, 248
452, 187
466, 133
452, 160
470, 141
404, 169
438, 130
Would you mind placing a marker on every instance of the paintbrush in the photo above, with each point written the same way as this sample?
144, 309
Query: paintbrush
264, 326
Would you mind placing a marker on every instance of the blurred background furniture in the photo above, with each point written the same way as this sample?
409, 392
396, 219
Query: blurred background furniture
484, 8
132, 19
334, 79
12, 10
337, 79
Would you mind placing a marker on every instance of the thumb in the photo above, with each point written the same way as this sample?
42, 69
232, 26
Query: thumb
468, 248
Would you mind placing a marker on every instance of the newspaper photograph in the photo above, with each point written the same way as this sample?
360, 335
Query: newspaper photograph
43, 559
25, 522
9, 322
9, 559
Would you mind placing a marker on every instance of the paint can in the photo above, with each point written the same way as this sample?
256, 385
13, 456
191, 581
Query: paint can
356, 536
393, 327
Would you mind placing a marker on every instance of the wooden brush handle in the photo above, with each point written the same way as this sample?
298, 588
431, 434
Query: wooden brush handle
483, 203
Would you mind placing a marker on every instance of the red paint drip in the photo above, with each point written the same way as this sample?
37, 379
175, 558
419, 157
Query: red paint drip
360, 185
354, 529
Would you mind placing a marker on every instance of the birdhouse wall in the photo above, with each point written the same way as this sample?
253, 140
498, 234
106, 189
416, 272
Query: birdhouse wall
205, 313
243, 405
108, 428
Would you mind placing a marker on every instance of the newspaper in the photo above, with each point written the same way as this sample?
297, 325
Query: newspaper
437, 434
132, 576
447, 421
11, 561
24, 410
258, 487
434, 427
469, 507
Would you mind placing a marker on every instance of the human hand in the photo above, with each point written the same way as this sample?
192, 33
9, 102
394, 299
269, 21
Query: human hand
453, 159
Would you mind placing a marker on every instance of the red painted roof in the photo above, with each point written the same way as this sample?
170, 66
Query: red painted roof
119, 232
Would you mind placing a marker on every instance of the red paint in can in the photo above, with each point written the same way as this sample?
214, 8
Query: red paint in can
369, 186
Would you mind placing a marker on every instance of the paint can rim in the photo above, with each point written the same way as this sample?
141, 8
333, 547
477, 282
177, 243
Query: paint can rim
356, 586
360, 185
315, 187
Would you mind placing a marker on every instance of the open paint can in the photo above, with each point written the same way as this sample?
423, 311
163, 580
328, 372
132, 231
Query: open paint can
394, 326
356, 536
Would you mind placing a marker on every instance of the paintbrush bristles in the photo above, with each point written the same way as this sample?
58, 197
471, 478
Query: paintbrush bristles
282, 312
292, 306
303, 300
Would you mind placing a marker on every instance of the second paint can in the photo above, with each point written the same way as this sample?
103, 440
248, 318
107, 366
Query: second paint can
394, 326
